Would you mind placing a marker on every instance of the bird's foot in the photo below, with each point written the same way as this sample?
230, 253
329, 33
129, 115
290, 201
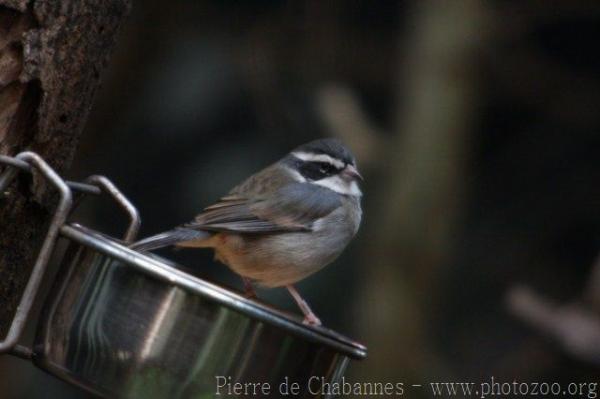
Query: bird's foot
249, 292
311, 319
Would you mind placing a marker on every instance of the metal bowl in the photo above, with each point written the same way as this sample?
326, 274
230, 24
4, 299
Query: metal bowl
124, 324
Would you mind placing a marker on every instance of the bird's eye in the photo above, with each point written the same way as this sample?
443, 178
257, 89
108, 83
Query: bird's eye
326, 168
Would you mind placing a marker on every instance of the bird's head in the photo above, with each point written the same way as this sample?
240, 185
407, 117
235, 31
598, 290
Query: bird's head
327, 163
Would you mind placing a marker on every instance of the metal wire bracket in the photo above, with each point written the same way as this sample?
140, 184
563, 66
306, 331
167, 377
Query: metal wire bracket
62, 210
17, 164
134, 217
96, 184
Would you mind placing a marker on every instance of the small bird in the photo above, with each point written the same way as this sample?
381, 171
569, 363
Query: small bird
281, 224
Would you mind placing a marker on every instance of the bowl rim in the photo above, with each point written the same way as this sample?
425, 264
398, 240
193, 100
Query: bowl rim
166, 271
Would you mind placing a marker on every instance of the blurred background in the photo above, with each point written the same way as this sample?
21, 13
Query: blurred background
476, 125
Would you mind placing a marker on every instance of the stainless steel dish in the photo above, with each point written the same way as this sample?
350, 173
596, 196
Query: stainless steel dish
125, 324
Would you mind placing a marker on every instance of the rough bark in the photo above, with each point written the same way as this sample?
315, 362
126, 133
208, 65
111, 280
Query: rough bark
51, 56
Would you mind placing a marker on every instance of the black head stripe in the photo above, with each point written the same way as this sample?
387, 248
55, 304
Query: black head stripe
330, 146
317, 170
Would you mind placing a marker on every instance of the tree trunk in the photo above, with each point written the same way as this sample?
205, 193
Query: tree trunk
51, 56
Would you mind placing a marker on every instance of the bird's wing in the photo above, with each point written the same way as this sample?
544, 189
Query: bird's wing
294, 207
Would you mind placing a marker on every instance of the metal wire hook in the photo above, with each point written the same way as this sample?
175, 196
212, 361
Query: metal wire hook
134, 217
16, 164
62, 210
95, 184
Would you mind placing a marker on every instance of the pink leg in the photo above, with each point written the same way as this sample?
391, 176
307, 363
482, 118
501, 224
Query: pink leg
309, 317
249, 289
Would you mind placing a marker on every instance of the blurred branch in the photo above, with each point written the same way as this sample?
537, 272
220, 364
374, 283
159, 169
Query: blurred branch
345, 118
423, 165
575, 326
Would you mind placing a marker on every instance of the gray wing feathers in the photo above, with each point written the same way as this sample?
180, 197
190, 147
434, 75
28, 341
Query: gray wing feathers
169, 238
295, 207
237, 218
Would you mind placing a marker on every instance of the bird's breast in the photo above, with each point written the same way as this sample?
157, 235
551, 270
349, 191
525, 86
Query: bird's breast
285, 258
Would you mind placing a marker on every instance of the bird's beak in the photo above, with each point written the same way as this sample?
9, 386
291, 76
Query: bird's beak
351, 172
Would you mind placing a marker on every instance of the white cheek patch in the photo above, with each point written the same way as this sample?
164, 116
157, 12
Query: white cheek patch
340, 186
296, 175
310, 157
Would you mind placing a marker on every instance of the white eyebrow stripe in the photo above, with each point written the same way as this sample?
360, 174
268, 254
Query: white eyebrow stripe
310, 157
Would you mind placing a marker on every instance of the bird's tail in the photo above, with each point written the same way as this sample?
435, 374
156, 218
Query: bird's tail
170, 237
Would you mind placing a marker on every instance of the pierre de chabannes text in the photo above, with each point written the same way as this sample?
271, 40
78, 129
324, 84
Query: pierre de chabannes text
225, 386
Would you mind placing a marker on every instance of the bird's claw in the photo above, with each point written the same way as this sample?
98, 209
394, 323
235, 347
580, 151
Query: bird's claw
311, 320
249, 292
250, 295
